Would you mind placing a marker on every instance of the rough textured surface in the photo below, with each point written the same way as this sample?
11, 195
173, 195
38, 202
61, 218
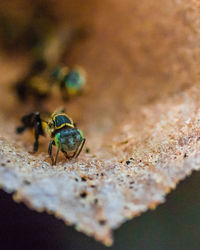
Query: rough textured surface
140, 115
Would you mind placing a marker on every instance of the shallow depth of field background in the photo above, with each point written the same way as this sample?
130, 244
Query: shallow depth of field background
173, 225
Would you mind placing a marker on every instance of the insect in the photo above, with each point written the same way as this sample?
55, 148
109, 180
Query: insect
70, 82
60, 129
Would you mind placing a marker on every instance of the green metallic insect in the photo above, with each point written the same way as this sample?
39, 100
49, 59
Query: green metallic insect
70, 82
60, 128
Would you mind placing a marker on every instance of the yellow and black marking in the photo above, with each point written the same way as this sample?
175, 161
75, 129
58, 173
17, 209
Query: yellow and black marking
57, 122
62, 120
60, 127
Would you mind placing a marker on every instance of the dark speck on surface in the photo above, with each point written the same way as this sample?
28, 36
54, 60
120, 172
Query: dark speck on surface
95, 201
87, 150
102, 222
83, 179
83, 194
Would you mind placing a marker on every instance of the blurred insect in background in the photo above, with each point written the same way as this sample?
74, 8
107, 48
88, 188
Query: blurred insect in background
48, 42
59, 128
70, 82
45, 72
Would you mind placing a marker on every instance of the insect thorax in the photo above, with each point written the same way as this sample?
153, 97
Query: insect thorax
62, 121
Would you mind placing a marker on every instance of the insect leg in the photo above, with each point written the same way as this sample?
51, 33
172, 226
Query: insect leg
36, 143
77, 153
56, 156
66, 155
28, 121
21, 129
52, 142
72, 156
38, 130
